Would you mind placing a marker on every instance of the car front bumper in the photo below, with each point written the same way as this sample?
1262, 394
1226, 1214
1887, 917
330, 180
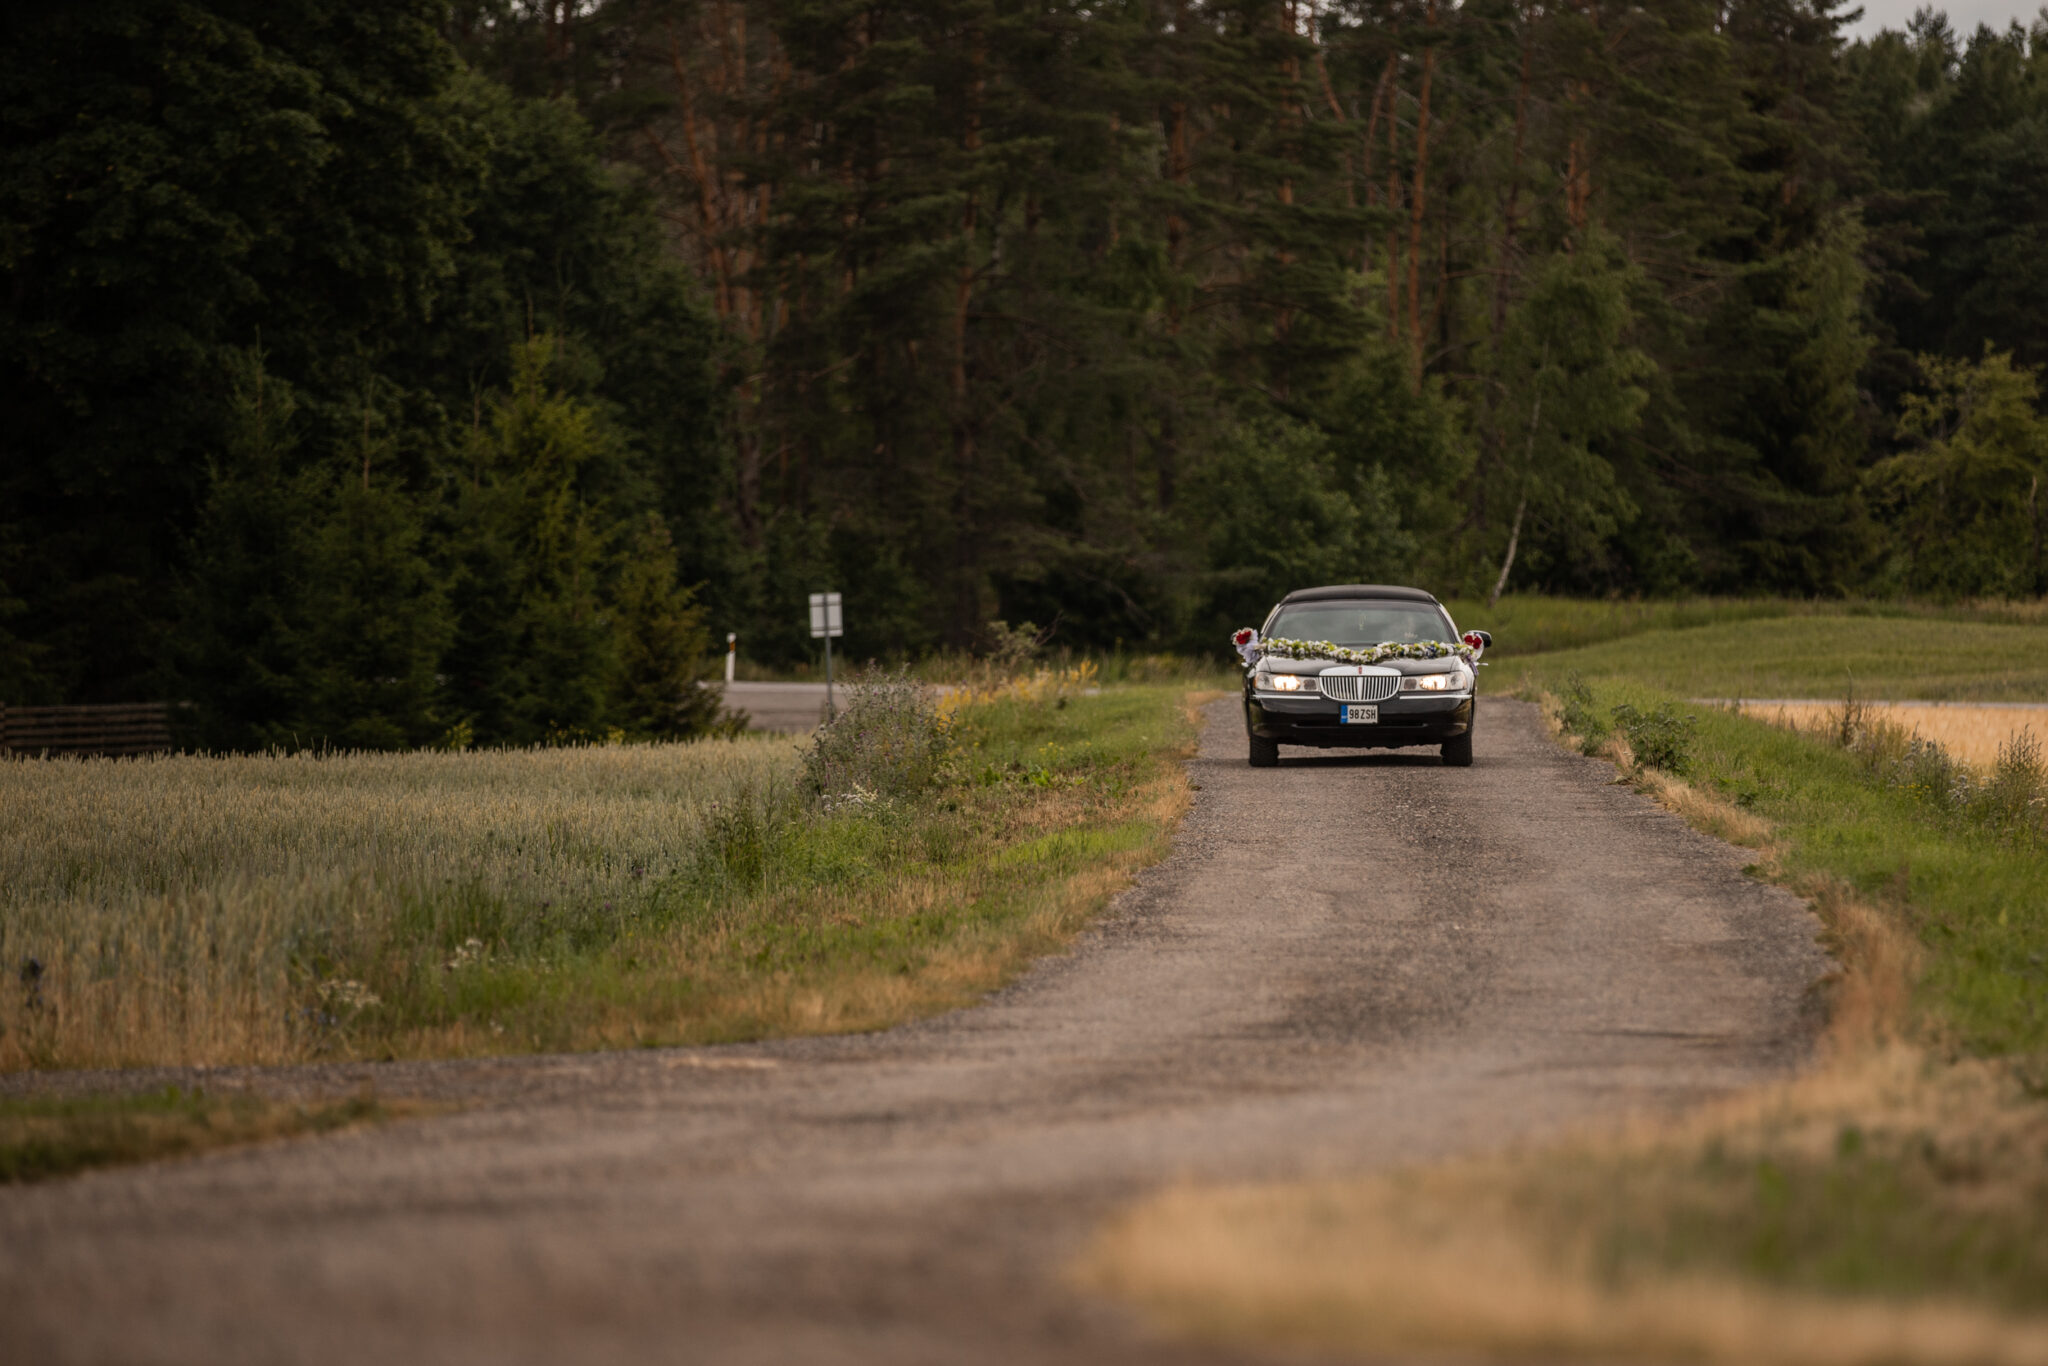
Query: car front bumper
1406, 719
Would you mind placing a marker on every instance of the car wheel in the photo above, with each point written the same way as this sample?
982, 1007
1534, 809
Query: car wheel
1458, 753
1265, 753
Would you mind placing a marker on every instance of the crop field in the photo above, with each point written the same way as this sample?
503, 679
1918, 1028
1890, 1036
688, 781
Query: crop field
187, 909
272, 908
1974, 735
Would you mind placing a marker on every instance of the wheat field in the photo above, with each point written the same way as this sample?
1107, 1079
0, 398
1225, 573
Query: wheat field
192, 909
1972, 734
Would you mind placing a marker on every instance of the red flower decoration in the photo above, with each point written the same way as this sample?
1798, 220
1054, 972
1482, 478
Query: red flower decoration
1243, 637
1472, 639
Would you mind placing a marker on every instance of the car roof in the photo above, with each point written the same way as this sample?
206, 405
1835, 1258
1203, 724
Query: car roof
1352, 591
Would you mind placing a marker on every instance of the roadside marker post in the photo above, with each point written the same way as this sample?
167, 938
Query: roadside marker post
732, 652
827, 622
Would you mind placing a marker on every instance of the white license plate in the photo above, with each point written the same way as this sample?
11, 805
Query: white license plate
1358, 714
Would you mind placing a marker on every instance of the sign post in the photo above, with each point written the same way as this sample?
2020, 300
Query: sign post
826, 622
732, 651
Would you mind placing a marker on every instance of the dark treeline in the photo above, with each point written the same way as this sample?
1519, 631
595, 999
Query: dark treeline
394, 372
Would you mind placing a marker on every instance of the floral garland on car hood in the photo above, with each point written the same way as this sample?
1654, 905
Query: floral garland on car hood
1251, 648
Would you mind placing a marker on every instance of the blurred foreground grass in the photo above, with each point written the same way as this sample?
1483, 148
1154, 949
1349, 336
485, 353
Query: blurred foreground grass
47, 1136
1888, 1205
276, 908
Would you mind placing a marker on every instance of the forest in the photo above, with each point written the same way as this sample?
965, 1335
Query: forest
427, 372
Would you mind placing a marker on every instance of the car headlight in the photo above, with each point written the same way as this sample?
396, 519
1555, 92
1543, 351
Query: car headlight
1266, 682
1457, 680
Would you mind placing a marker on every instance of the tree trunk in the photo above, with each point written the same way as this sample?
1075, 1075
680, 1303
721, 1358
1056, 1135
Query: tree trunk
1415, 209
2034, 516
1508, 561
1393, 227
1528, 452
1511, 213
967, 536
1367, 143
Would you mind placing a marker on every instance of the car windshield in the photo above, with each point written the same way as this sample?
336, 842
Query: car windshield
1360, 623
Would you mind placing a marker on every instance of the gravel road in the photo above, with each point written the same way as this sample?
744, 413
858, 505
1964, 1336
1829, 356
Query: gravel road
1345, 962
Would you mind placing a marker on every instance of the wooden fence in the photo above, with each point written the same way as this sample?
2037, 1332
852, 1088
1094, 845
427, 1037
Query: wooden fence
130, 728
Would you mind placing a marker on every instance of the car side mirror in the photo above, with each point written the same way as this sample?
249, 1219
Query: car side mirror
1485, 639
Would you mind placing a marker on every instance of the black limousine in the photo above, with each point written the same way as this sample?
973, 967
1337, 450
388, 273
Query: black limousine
1359, 666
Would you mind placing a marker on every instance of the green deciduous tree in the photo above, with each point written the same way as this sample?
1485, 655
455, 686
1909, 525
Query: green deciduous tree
1964, 500
1273, 512
1575, 388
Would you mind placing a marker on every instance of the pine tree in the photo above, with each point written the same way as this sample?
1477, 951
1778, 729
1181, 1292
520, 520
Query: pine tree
664, 647
534, 648
374, 620
237, 649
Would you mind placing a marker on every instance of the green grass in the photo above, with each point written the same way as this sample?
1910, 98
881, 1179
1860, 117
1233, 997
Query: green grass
1816, 657
1534, 624
48, 1136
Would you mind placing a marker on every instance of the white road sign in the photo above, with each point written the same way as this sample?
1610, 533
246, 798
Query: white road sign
825, 618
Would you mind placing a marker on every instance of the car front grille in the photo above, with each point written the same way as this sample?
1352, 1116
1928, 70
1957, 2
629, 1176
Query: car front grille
1360, 687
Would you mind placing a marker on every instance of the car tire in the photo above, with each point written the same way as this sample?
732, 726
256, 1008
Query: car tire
1265, 753
1458, 753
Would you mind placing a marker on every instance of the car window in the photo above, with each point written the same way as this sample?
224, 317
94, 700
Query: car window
1360, 623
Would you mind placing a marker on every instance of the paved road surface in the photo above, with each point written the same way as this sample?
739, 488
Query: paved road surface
792, 707
1347, 961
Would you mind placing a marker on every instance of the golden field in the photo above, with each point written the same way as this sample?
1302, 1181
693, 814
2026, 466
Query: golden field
1972, 733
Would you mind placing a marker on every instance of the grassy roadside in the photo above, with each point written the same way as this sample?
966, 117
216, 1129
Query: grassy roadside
1524, 625
1890, 1205
49, 1136
283, 908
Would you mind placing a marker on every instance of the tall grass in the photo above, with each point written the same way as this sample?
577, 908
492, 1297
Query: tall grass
197, 908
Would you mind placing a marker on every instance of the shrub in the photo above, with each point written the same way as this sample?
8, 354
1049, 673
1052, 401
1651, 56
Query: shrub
1011, 648
1900, 758
1576, 713
1855, 726
1930, 773
1660, 739
2010, 801
887, 742
738, 841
